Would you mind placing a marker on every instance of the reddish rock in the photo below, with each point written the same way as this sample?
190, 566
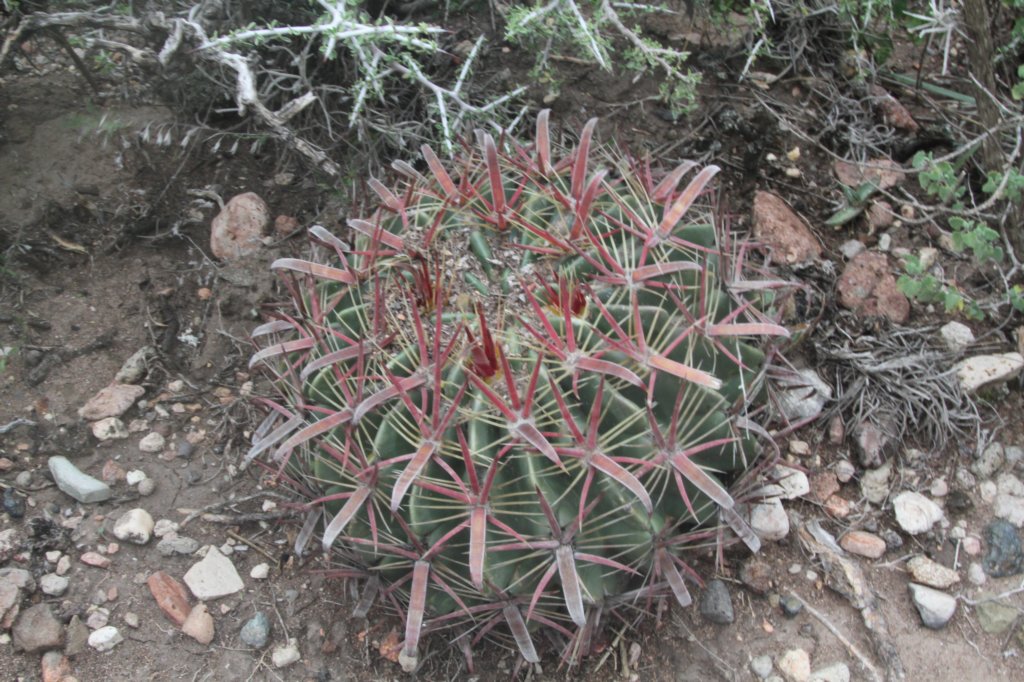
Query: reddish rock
112, 401
893, 112
170, 596
238, 229
55, 666
868, 288
880, 215
885, 173
783, 231
863, 543
112, 472
94, 559
823, 485
5, 464
284, 225
837, 507
757, 575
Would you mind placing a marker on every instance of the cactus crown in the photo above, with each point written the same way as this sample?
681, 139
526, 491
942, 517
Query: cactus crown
521, 396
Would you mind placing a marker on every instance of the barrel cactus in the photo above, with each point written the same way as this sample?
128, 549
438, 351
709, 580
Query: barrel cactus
520, 396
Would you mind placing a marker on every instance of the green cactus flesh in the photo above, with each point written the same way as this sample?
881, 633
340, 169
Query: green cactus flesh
519, 398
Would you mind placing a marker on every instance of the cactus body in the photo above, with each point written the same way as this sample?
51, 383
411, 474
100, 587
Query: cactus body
519, 398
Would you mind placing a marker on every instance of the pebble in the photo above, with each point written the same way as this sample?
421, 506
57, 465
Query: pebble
761, 666
147, 487
791, 606
1005, 556
63, 565
105, 639
135, 525
95, 559
199, 624
152, 442
112, 401
213, 577
935, 607
794, 483
939, 488
716, 603
97, 618
803, 395
989, 462
844, 470
174, 544
769, 520
170, 596
78, 485
164, 527
134, 368
927, 572
956, 336
37, 629
987, 491
1009, 501
756, 574
795, 665
972, 545
851, 248
237, 230
915, 513
837, 672
185, 448
976, 574
13, 504
53, 584
874, 484
131, 619
864, 544
55, 667
284, 656
260, 571
135, 476
110, 428
77, 637
256, 631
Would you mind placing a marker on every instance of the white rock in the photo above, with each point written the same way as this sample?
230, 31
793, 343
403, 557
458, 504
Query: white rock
915, 513
850, 248
802, 396
845, 470
135, 525
135, 476
238, 228
986, 370
110, 428
935, 607
146, 487
794, 483
976, 574
991, 459
1009, 499
164, 526
956, 336
105, 639
260, 572
795, 665
837, 672
152, 442
134, 368
284, 656
53, 584
213, 577
988, 491
769, 520
874, 484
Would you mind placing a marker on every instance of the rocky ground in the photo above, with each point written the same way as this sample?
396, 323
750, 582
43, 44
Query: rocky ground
136, 541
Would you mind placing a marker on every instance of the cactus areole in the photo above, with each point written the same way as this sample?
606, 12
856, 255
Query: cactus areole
520, 398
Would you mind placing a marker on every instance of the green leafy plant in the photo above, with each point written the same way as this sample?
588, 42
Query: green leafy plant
523, 397
938, 178
855, 202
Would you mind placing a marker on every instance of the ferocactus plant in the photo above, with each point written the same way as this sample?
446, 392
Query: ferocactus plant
521, 396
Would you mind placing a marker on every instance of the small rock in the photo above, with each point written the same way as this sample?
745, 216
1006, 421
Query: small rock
988, 370
976, 574
836, 431
112, 401
939, 488
136, 366
716, 603
77, 637
837, 672
135, 525
956, 336
152, 442
164, 527
864, 544
791, 606
823, 485
54, 585
78, 485
995, 617
185, 448
37, 629
174, 544
55, 667
98, 618
135, 476
884, 240
1014, 454
19, 578
972, 545
927, 572
213, 577
95, 559
935, 608
769, 520
851, 248
284, 225
170, 596
845, 470
199, 624
915, 513
112, 472
110, 428
756, 574
786, 234
989, 462
63, 565
256, 631
987, 491
761, 666
260, 571
146, 487
794, 483
838, 507
892, 110
284, 656
800, 448
237, 230
871, 443
874, 484
105, 639
1005, 556
868, 287
131, 619
1009, 500
23, 479
13, 503
795, 665
802, 395
880, 215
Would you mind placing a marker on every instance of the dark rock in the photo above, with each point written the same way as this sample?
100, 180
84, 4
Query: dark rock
959, 502
1005, 556
13, 505
185, 449
37, 629
757, 575
716, 603
871, 443
791, 606
893, 540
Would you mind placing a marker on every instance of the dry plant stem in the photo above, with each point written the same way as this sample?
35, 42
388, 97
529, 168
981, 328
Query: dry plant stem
1004, 595
628, 34
850, 646
226, 503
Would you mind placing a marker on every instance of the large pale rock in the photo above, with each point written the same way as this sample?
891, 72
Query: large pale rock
915, 513
801, 395
239, 227
769, 520
957, 336
78, 485
37, 629
135, 525
112, 401
868, 287
213, 577
935, 607
987, 370
783, 231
